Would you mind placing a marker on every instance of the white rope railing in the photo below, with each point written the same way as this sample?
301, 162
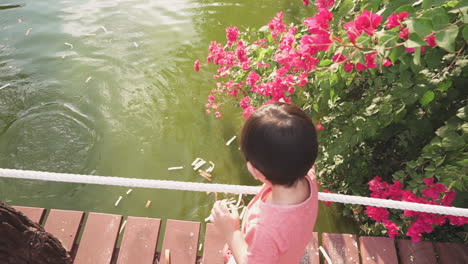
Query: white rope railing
221, 188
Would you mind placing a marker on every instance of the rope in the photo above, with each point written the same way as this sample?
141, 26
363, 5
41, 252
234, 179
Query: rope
223, 188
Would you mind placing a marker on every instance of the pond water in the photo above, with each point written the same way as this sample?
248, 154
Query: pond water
107, 88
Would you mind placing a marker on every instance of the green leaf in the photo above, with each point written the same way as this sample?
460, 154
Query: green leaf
464, 12
440, 21
430, 3
417, 56
463, 113
465, 33
316, 107
452, 141
396, 53
446, 38
325, 63
414, 41
427, 98
420, 26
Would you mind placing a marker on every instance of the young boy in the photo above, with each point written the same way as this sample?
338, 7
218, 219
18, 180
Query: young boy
279, 143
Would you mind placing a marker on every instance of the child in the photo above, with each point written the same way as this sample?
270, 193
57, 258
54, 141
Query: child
279, 143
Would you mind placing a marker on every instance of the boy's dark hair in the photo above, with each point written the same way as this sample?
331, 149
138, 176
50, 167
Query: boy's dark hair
280, 141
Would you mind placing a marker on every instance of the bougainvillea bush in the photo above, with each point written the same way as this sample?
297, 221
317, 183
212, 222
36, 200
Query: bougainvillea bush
386, 84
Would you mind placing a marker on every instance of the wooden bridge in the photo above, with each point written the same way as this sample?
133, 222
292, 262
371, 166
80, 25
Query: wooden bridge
181, 245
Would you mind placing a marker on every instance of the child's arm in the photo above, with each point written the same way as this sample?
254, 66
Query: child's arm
228, 223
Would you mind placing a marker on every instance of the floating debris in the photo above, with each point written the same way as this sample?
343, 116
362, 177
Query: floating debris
5, 86
129, 191
122, 227
104, 28
199, 164
28, 32
88, 79
175, 168
196, 161
135, 44
90, 35
230, 141
205, 174
63, 56
148, 204
20, 20
118, 201
211, 168
68, 44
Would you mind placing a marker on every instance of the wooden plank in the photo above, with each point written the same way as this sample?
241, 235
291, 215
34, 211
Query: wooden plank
342, 248
452, 253
98, 239
181, 238
64, 225
214, 245
414, 253
312, 255
35, 214
378, 250
139, 241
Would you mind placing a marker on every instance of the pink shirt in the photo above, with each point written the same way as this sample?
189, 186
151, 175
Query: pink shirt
279, 233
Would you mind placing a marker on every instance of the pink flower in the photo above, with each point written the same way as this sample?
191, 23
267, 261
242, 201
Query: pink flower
327, 203
248, 111
395, 20
319, 127
348, 66
232, 33
252, 78
305, 2
392, 228
448, 198
276, 25
428, 181
368, 22
319, 23
218, 115
430, 40
352, 31
211, 98
324, 3
208, 111
303, 79
387, 63
370, 60
360, 66
404, 33
338, 57
377, 213
457, 220
196, 65
411, 50
241, 52
245, 102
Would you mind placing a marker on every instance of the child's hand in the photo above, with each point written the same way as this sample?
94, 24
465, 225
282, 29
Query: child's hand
225, 220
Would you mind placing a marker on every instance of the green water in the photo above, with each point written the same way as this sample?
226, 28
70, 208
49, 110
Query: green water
107, 88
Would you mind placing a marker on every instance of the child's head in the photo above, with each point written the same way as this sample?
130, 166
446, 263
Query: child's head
280, 141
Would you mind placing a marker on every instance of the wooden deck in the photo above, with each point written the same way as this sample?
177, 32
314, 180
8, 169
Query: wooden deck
181, 245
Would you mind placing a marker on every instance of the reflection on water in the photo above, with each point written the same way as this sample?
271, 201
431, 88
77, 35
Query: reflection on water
107, 87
